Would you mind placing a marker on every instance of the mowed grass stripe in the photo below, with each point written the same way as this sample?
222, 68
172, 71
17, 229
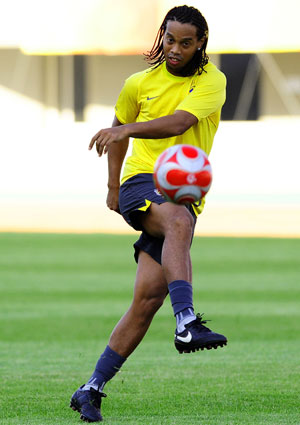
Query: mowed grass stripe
61, 295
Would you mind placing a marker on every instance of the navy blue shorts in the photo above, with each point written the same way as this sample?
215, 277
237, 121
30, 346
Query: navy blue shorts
136, 196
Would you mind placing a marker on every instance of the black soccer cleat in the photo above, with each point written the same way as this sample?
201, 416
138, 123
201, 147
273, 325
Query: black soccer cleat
196, 337
88, 404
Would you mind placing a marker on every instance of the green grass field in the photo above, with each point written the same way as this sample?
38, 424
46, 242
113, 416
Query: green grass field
61, 295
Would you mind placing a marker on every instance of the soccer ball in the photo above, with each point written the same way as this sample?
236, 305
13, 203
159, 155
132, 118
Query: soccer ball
183, 174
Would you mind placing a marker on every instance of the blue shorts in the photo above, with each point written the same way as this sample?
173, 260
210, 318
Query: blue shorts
136, 196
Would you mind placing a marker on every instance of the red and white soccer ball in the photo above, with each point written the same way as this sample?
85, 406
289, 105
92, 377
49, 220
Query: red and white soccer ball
183, 174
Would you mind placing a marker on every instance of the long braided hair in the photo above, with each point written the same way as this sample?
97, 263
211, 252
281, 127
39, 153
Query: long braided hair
184, 15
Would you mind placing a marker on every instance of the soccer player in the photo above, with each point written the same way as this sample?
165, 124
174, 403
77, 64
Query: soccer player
177, 100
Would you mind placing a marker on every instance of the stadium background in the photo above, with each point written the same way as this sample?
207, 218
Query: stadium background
62, 68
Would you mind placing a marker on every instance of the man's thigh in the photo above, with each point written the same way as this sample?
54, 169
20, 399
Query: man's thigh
160, 218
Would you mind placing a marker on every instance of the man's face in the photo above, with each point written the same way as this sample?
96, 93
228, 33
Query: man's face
180, 43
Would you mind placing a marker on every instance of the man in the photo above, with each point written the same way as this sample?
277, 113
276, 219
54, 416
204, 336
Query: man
178, 100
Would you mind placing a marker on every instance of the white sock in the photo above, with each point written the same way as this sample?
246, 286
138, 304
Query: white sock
88, 386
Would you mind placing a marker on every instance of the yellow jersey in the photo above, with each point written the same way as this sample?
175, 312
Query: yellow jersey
154, 93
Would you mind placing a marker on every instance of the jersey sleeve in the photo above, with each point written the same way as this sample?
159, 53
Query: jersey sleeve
207, 97
127, 106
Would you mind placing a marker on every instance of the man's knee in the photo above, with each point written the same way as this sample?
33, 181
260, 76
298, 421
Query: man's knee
183, 219
180, 223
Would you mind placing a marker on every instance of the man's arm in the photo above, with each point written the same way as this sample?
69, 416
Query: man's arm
115, 158
159, 128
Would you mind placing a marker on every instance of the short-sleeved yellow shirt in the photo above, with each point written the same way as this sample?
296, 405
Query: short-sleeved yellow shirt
154, 93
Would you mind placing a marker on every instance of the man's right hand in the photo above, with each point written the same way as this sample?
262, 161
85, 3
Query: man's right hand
112, 200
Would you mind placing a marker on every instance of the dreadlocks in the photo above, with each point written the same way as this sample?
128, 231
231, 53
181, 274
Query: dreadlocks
184, 15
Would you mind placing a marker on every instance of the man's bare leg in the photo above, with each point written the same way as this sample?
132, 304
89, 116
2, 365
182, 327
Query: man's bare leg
149, 293
175, 224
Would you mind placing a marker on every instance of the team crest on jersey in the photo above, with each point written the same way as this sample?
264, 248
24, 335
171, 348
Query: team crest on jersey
193, 85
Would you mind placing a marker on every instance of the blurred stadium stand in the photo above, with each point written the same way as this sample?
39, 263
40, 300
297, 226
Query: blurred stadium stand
61, 73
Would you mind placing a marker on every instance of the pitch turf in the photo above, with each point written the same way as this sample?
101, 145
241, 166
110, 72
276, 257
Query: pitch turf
61, 295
